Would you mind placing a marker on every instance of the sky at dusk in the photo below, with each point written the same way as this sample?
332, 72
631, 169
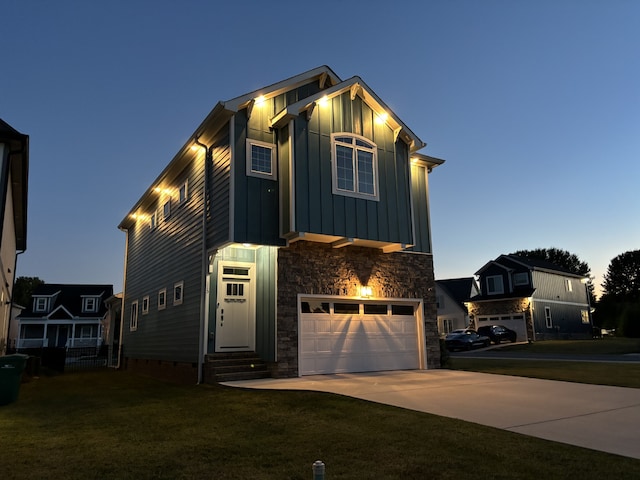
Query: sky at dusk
534, 105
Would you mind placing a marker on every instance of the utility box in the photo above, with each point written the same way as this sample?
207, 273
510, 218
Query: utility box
11, 368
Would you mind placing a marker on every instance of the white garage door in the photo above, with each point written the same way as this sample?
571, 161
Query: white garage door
344, 335
513, 322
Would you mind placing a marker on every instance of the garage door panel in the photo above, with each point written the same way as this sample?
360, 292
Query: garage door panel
340, 343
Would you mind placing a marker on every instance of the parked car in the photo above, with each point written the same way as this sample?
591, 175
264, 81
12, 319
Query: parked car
466, 340
498, 333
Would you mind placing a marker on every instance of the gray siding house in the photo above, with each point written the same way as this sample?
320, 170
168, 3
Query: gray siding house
537, 299
292, 229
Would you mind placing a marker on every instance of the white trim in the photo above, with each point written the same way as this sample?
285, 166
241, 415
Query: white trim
559, 302
162, 306
178, 286
145, 308
496, 291
251, 300
184, 185
292, 181
133, 317
548, 319
249, 143
166, 209
520, 283
153, 220
336, 190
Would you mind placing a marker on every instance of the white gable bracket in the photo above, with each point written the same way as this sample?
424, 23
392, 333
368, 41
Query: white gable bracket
250, 106
355, 88
323, 79
310, 110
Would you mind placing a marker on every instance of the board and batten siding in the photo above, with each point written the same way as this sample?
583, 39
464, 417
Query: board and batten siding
554, 287
317, 209
266, 261
420, 199
158, 259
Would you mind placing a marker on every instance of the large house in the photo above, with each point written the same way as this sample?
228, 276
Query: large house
537, 299
64, 316
293, 225
14, 153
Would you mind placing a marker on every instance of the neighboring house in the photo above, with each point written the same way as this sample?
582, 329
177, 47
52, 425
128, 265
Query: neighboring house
294, 223
12, 341
111, 328
14, 152
68, 316
451, 297
537, 299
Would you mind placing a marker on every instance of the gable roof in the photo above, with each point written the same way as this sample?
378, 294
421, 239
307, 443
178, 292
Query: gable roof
459, 289
223, 111
67, 300
19, 167
512, 262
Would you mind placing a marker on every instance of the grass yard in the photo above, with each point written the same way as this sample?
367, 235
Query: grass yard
596, 346
615, 374
114, 425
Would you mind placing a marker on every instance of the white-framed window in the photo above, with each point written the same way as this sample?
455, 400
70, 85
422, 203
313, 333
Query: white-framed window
145, 305
568, 285
40, 304
354, 165
521, 278
447, 325
585, 316
133, 321
153, 220
495, 285
183, 192
166, 209
261, 159
547, 317
162, 299
178, 293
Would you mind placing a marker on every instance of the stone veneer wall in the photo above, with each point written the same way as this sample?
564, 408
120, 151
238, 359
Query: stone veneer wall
317, 269
503, 307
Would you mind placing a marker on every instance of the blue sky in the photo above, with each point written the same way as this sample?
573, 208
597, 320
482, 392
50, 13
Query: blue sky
535, 106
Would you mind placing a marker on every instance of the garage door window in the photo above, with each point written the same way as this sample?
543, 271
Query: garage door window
402, 309
346, 308
375, 309
313, 306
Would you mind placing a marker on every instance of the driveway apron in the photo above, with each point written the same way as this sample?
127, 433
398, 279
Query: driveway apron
591, 416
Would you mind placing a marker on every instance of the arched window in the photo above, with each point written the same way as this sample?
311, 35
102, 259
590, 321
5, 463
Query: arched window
354, 164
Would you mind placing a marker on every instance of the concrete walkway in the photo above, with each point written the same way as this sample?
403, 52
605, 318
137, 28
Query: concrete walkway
591, 416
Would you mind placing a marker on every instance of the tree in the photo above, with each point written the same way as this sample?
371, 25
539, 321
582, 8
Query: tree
23, 289
619, 306
622, 280
562, 258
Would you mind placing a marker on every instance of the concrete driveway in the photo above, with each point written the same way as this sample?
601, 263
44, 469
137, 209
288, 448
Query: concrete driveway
591, 416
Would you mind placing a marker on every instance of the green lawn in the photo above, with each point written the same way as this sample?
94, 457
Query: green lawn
596, 346
114, 425
616, 374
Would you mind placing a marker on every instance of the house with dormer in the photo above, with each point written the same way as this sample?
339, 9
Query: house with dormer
452, 295
537, 299
64, 316
291, 228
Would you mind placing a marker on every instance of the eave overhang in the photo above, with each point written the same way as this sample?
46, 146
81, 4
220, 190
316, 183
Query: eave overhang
356, 86
426, 161
19, 168
340, 242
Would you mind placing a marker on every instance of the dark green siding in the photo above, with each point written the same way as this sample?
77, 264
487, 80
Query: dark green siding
284, 172
266, 258
256, 216
219, 187
318, 210
154, 262
420, 192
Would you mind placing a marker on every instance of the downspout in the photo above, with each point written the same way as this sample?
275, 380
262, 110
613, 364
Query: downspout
203, 279
124, 294
12, 303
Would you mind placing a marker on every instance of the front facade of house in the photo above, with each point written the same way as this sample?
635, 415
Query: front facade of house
452, 296
14, 156
535, 298
64, 316
294, 224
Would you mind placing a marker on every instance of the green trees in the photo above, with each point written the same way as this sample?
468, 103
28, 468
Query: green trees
23, 288
619, 306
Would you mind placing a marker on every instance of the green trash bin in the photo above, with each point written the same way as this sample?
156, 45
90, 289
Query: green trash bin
11, 368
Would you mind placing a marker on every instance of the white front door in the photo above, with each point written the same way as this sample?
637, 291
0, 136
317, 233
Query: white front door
235, 310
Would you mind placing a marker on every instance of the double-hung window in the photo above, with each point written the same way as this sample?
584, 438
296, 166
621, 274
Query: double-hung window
354, 166
495, 285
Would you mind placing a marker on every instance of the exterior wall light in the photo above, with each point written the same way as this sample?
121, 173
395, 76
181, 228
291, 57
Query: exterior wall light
365, 292
323, 101
260, 100
382, 118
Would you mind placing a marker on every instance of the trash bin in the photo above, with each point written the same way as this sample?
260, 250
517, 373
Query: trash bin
11, 368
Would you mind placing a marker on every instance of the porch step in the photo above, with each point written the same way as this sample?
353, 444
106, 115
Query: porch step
232, 366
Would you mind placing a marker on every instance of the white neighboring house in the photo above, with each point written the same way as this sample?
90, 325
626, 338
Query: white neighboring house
14, 155
451, 296
64, 316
